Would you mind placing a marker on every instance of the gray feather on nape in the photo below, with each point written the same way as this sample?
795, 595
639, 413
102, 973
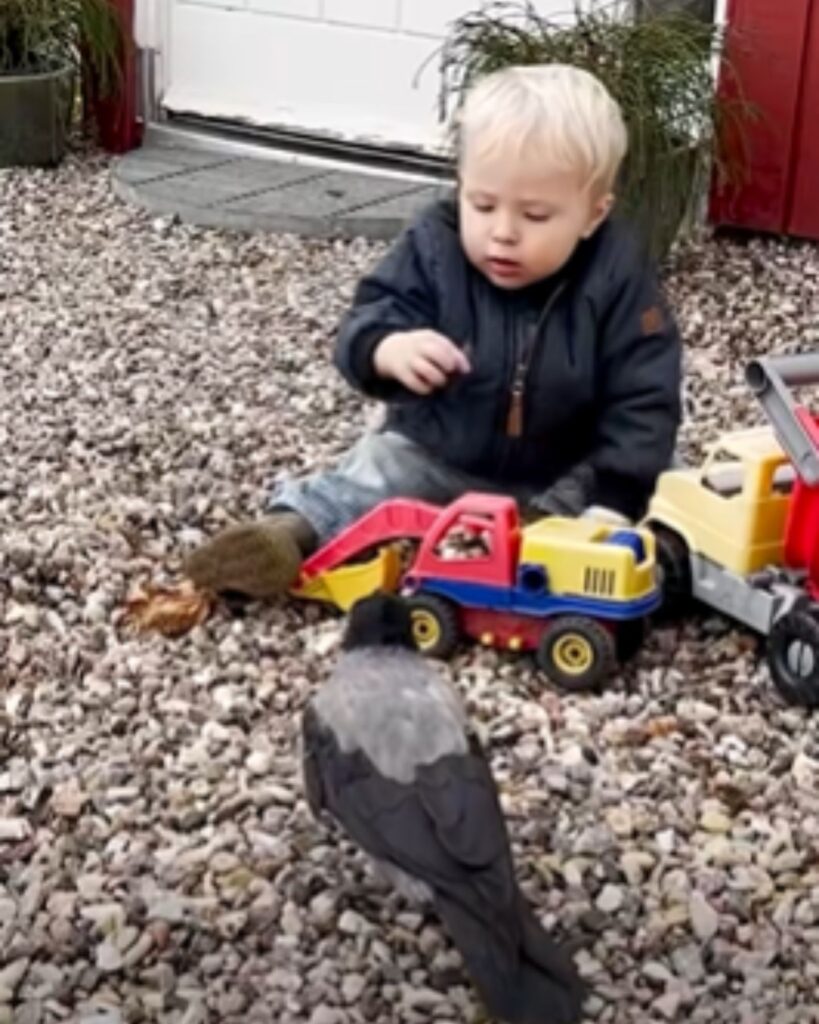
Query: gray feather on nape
395, 707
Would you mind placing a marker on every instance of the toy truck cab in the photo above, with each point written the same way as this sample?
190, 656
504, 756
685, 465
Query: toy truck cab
731, 510
720, 523
476, 540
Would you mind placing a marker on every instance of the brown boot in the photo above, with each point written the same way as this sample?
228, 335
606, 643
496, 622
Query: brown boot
258, 560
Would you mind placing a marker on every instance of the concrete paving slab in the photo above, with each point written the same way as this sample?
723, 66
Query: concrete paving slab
328, 196
388, 217
248, 193
162, 161
212, 186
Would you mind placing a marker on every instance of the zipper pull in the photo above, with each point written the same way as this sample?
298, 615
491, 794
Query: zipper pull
514, 419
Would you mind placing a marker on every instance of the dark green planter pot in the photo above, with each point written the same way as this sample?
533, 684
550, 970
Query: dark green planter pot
34, 117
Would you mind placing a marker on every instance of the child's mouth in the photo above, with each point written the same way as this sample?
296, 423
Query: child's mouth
503, 268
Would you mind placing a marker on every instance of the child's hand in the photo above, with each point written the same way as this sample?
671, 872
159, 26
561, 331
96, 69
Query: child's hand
421, 360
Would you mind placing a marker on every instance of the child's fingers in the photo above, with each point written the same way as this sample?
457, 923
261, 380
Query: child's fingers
441, 351
463, 362
429, 371
411, 380
417, 384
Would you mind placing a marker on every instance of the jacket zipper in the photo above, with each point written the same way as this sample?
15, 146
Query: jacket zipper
522, 363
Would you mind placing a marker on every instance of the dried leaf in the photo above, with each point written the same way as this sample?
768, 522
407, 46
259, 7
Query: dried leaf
663, 726
650, 729
171, 611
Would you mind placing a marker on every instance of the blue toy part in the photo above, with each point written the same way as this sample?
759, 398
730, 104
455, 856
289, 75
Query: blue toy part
523, 602
533, 579
629, 539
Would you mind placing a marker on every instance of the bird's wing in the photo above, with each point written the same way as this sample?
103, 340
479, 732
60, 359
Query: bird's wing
445, 829
522, 974
415, 826
460, 796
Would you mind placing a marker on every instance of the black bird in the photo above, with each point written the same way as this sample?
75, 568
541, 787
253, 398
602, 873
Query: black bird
389, 755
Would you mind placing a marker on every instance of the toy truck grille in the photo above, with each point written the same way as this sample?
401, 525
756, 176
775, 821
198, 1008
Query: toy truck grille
599, 581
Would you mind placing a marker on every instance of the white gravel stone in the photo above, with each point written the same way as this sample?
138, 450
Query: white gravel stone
704, 919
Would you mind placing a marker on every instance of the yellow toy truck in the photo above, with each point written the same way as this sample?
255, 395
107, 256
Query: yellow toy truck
740, 533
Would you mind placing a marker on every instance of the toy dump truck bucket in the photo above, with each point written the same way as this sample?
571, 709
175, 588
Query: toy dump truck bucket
795, 428
346, 584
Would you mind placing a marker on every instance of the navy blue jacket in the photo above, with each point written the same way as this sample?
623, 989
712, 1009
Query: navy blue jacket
593, 353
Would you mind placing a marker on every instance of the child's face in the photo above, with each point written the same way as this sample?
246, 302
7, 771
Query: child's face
520, 221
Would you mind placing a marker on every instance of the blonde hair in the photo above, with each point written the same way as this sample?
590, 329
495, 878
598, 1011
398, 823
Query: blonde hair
553, 112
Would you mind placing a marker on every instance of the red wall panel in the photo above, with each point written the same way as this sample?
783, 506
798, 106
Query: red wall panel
766, 49
803, 216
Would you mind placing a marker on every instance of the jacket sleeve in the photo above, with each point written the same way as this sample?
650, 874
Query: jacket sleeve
639, 410
398, 295
639, 387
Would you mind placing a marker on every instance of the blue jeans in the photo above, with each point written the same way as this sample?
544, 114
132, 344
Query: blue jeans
381, 465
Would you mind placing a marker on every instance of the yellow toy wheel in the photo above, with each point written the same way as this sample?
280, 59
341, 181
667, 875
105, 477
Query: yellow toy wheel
435, 626
573, 654
426, 629
576, 653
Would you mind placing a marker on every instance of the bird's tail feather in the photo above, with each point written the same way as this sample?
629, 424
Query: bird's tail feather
522, 975
545, 967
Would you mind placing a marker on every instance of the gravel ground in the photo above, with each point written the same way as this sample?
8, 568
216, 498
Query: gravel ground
156, 859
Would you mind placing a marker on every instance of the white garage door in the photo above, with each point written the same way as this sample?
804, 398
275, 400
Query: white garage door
343, 67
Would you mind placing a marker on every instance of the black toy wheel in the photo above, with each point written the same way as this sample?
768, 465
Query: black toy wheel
576, 653
674, 563
435, 627
793, 656
629, 637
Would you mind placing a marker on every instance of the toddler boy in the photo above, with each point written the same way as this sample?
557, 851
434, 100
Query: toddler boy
515, 332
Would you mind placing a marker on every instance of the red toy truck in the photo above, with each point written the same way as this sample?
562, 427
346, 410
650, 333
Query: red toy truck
575, 591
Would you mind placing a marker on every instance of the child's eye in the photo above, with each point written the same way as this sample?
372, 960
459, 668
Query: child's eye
482, 207
538, 218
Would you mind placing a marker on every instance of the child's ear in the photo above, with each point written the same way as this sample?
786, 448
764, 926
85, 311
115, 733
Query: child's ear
601, 208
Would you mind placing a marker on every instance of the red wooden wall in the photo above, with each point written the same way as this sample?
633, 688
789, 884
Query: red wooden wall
774, 48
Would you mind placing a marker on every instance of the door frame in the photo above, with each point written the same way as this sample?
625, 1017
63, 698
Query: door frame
152, 33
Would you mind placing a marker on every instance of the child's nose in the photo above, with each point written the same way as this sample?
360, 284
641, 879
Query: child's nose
504, 229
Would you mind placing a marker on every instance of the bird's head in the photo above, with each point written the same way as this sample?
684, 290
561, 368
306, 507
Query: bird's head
380, 620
